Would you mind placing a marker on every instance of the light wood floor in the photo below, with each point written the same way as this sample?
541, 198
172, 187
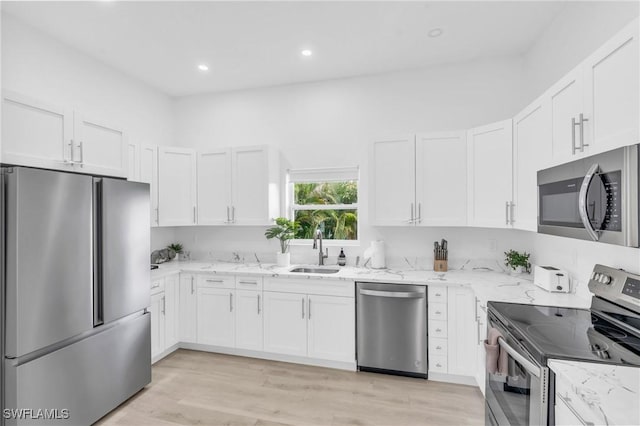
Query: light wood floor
199, 388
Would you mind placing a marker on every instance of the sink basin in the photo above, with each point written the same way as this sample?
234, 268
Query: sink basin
312, 270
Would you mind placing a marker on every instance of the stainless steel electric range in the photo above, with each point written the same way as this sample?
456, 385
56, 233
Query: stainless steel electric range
608, 332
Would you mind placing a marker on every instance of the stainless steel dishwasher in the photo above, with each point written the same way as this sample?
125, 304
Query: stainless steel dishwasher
392, 328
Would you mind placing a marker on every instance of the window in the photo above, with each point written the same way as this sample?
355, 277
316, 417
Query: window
325, 199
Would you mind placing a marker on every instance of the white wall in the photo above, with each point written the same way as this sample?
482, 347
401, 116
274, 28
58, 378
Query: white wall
579, 29
332, 123
36, 65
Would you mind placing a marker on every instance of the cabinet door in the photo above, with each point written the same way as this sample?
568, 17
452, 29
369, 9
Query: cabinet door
187, 323
332, 327
177, 186
171, 308
133, 165
481, 356
612, 91
149, 174
393, 178
35, 134
214, 187
565, 98
489, 174
285, 323
100, 148
249, 319
462, 332
216, 318
531, 151
441, 179
157, 324
250, 186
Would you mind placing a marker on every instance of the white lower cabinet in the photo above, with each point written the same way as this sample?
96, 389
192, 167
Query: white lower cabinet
481, 355
248, 312
285, 323
188, 309
164, 315
215, 315
331, 327
171, 309
462, 332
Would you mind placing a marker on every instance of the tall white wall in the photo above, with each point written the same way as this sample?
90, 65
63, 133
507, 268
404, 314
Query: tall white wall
37, 65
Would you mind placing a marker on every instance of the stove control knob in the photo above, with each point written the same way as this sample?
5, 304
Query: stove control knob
605, 279
596, 276
593, 275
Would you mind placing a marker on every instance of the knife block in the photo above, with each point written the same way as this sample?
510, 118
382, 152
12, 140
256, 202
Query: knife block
440, 265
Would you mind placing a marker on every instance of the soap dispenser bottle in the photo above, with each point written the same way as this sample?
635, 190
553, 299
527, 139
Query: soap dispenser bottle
342, 259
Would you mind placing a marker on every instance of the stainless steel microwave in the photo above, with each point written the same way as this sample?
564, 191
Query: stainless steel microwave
594, 198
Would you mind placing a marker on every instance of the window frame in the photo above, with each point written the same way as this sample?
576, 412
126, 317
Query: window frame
323, 175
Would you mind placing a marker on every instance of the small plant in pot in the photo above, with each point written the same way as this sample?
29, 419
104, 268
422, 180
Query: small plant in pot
517, 262
284, 230
176, 248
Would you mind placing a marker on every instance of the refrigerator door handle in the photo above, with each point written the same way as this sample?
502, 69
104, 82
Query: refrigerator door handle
98, 302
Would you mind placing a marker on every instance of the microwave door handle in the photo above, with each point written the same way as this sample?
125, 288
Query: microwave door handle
582, 202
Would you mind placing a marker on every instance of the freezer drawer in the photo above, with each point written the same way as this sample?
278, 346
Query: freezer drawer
89, 378
392, 328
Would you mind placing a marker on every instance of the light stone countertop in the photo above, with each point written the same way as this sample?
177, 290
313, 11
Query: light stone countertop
601, 393
487, 285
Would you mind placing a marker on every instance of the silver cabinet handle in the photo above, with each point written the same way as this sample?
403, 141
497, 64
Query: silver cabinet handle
81, 146
164, 300
303, 308
582, 144
192, 289
412, 214
438, 347
566, 401
506, 213
478, 330
438, 313
573, 136
511, 212
248, 282
71, 160
419, 219
194, 214
214, 281
233, 214
582, 202
475, 310
393, 294
438, 330
258, 304
528, 365
230, 302
228, 217
309, 315
155, 286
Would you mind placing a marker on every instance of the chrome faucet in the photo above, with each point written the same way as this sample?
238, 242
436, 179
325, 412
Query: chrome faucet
317, 236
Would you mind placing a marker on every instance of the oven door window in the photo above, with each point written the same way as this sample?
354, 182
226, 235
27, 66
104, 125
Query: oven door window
512, 394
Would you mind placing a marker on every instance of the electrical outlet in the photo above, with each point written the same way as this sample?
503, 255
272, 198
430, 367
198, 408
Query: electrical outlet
493, 245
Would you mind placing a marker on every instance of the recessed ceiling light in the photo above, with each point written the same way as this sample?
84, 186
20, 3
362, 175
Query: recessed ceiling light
203, 67
436, 32
306, 52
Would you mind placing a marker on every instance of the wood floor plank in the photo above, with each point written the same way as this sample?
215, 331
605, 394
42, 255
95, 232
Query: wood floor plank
200, 388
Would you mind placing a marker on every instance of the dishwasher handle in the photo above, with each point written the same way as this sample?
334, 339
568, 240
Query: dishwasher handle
393, 294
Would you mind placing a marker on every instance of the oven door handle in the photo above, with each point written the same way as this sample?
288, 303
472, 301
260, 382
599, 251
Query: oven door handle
528, 365
582, 202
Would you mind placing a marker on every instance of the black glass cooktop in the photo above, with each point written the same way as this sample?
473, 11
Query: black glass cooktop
568, 333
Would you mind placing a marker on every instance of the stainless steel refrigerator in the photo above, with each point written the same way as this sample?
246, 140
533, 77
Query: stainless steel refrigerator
75, 287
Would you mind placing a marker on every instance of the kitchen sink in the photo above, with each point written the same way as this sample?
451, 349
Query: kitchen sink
312, 270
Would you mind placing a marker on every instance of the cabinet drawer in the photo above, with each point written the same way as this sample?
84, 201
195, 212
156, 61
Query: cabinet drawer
249, 282
157, 286
438, 347
326, 287
438, 311
438, 364
437, 294
216, 281
437, 329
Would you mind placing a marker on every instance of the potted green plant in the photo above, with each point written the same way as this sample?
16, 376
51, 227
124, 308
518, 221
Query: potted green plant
517, 262
284, 230
176, 248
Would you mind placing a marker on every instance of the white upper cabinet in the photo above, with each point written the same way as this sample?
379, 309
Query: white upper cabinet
565, 99
40, 135
133, 165
238, 186
100, 148
490, 175
441, 179
393, 181
177, 186
36, 134
214, 187
612, 89
254, 186
148, 173
532, 149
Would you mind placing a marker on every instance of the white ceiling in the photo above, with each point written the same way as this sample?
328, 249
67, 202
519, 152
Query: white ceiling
257, 44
